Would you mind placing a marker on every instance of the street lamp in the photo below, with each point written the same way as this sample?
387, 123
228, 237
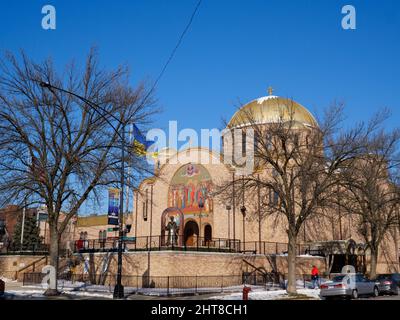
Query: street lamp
228, 208
243, 211
201, 206
119, 288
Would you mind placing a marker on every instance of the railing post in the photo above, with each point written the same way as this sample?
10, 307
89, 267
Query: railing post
196, 286
168, 286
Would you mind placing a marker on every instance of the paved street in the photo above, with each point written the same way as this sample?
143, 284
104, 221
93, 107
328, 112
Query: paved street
385, 297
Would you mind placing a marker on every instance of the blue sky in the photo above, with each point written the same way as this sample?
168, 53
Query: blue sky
234, 50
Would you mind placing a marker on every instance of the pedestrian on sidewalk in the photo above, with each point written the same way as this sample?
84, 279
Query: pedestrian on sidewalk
315, 277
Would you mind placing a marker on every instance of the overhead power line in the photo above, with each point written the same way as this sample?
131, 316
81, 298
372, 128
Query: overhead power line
171, 56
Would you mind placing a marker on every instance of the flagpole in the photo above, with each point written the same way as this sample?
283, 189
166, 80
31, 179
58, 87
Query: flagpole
129, 173
22, 228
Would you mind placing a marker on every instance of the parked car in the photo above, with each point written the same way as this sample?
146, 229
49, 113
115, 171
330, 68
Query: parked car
349, 286
389, 283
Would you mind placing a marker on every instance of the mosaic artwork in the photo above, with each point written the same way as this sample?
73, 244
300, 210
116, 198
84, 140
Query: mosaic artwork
190, 188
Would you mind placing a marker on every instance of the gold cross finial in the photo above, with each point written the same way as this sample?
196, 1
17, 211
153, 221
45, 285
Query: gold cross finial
270, 90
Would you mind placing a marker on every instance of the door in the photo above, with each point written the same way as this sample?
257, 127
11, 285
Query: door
363, 285
191, 233
207, 234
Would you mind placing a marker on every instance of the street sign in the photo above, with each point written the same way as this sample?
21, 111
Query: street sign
113, 229
129, 238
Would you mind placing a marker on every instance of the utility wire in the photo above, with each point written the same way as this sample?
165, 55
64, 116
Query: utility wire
174, 50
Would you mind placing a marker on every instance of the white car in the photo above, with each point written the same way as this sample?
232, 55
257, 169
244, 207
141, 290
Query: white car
349, 286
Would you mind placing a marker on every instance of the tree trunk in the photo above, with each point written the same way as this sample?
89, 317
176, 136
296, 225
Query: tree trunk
373, 262
291, 285
53, 255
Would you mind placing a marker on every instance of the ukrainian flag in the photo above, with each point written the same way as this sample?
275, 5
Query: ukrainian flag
140, 144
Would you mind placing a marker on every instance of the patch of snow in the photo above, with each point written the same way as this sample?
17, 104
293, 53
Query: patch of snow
26, 293
270, 295
7, 279
89, 294
308, 256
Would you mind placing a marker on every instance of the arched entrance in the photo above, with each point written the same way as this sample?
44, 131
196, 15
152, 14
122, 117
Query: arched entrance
207, 233
191, 232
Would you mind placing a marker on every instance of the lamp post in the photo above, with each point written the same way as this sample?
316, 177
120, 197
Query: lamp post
201, 206
119, 288
243, 211
228, 208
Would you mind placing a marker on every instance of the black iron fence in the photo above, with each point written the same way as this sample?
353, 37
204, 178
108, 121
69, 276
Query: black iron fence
158, 243
158, 285
277, 248
33, 249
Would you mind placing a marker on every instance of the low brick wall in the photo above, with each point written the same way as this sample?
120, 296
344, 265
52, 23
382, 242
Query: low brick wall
10, 264
175, 263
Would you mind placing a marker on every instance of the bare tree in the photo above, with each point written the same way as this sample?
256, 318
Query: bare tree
57, 150
371, 193
296, 168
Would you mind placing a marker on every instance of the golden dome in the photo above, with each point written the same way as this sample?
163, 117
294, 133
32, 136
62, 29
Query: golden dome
272, 109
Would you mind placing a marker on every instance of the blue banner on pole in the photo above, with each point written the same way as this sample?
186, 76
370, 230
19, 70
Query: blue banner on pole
113, 206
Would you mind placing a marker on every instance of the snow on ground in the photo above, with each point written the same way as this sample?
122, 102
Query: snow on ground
7, 280
89, 294
40, 293
25, 293
270, 295
77, 288
273, 294
230, 293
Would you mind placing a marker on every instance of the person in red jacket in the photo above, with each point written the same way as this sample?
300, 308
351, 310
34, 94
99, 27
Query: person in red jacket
314, 276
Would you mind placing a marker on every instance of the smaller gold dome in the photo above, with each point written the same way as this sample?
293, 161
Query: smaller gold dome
272, 109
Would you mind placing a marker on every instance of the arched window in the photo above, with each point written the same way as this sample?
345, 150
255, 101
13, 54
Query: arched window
256, 140
296, 140
144, 211
244, 143
273, 198
146, 205
268, 141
